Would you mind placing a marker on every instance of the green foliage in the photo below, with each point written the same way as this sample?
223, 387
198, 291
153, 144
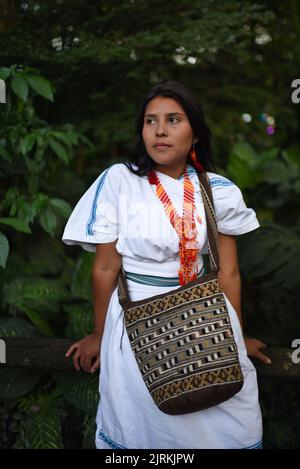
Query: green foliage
81, 320
29, 295
81, 390
33, 145
83, 82
42, 429
16, 382
3, 249
272, 256
81, 285
17, 327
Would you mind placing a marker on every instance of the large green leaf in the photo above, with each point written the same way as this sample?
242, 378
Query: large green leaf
267, 156
27, 143
80, 389
40, 85
16, 382
33, 296
17, 224
64, 137
81, 285
4, 249
81, 320
242, 165
61, 206
48, 220
20, 86
37, 319
241, 173
4, 73
293, 154
32, 290
273, 255
245, 152
16, 327
4, 153
43, 425
59, 150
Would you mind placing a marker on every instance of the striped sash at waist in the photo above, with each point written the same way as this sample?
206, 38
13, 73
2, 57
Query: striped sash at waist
156, 280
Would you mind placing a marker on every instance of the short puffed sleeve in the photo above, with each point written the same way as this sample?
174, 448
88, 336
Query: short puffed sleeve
95, 218
233, 216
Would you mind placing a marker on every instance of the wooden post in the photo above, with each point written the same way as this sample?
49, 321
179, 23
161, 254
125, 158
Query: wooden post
49, 354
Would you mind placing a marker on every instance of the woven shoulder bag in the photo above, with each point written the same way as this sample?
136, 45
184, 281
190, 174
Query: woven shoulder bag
183, 340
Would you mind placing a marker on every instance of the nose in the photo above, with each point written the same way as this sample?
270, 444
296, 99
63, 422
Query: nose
160, 129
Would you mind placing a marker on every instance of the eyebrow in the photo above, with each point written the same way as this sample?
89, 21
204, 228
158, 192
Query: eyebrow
169, 114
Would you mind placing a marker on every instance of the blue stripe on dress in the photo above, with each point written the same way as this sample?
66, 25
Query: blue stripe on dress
102, 436
215, 181
220, 182
255, 446
190, 170
92, 219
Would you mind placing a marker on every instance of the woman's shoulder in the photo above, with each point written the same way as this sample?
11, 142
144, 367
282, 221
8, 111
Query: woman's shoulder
121, 169
224, 188
218, 180
113, 175
114, 169
232, 214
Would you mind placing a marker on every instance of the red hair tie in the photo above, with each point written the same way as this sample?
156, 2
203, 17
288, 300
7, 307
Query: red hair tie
196, 163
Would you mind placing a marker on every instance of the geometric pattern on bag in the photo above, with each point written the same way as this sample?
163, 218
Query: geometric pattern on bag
183, 340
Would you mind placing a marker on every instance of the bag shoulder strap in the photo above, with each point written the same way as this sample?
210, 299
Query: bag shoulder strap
211, 222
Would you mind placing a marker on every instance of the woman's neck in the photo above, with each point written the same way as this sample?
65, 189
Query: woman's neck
174, 171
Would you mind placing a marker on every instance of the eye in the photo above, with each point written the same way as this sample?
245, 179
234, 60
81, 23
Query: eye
173, 119
148, 120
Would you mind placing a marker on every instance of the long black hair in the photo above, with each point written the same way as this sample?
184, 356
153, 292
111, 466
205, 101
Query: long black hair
194, 112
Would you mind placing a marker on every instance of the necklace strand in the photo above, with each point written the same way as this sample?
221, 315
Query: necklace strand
184, 226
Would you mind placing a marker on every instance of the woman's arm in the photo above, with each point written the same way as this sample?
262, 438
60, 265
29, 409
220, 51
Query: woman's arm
230, 283
105, 271
229, 273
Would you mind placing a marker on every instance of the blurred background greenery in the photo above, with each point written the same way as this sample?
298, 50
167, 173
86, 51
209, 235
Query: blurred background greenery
75, 74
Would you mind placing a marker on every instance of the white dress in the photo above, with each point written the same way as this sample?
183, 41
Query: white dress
121, 205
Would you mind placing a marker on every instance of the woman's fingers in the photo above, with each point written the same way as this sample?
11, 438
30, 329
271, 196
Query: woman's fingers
76, 356
262, 345
95, 365
76, 360
71, 349
263, 357
83, 358
85, 362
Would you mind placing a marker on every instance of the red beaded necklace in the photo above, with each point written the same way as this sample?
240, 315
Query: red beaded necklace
184, 226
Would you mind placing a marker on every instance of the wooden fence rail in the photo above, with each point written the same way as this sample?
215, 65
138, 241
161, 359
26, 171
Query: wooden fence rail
49, 354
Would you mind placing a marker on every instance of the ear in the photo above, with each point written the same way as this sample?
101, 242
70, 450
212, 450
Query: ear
195, 140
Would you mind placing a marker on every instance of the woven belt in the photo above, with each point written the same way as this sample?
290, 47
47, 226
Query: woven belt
156, 281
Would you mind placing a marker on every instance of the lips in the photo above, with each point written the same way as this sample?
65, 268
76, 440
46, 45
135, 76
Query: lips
162, 145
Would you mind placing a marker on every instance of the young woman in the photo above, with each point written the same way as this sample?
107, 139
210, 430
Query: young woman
124, 218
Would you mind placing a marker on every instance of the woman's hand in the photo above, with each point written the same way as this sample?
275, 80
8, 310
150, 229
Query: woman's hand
253, 347
87, 349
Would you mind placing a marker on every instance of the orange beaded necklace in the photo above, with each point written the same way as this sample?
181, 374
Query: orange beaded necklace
184, 226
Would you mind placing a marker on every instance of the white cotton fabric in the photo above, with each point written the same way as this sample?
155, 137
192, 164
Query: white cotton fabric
122, 206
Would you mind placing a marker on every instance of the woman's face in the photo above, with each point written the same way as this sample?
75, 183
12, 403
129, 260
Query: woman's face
166, 122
